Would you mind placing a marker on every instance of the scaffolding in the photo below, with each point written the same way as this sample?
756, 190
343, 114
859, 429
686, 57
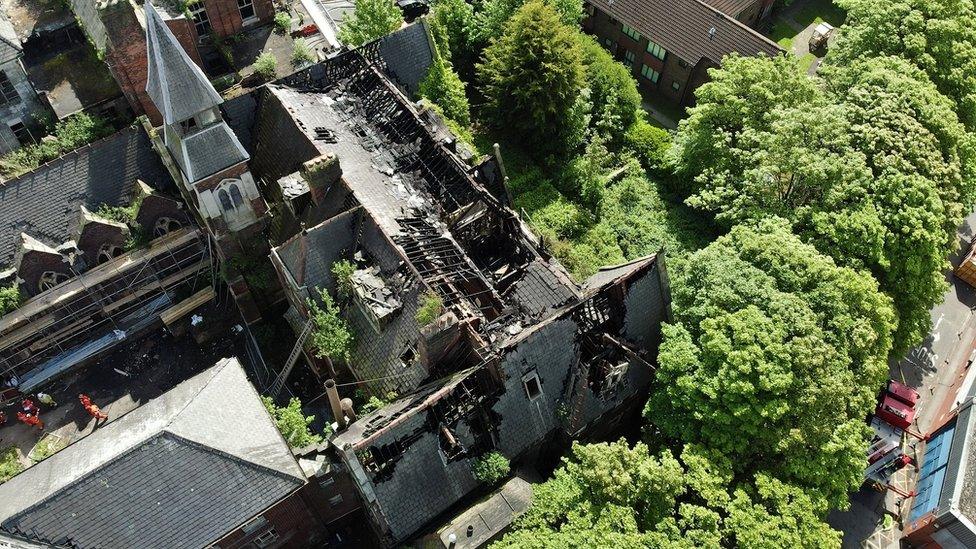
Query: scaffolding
89, 313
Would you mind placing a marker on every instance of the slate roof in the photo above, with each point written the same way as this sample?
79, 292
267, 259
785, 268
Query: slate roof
407, 55
730, 7
10, 47
44, 202
182, 470
682, 27
177, 86
209, 151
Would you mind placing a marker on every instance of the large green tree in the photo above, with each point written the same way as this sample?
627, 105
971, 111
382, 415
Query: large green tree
616, 103
372, 19
938, 36
613, 495
775, 356
532, 77
444, 87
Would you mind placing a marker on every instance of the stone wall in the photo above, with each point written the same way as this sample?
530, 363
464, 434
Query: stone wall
26, 108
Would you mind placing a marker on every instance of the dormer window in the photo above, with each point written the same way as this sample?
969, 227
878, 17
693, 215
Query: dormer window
188, 125
51, 279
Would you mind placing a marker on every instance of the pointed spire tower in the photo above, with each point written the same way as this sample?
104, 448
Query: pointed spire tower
196, 134
211, 160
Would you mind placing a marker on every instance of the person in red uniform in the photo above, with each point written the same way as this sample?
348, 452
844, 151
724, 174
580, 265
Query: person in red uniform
92, 408
31, 419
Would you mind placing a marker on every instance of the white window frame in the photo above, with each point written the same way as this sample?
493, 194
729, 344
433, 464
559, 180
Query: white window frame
241, 4
654, 76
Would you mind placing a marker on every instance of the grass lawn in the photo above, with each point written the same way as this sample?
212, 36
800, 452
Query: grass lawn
819, 11
10, 463
783, 34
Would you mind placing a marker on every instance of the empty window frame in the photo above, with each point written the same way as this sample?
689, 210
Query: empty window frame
650, 74
335, 500
266, 539
201, 20
631, 32
532, 385
8, 94
656, 50
629, 58
21, 132
246, 7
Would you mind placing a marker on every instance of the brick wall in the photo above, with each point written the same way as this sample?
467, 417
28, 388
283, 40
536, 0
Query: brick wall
24, 108
295, 524
127, 55
225, 15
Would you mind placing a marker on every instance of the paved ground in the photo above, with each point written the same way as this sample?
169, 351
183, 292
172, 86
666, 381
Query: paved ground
935, 368
148, 366
793, 26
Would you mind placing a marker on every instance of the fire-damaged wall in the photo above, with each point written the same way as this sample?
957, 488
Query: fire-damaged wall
576, 372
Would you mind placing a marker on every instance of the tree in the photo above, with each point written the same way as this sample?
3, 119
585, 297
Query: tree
772, 514
775, 356
452, 23
293, 424
371, 19
431, 307
492, 15
613, 91
342, 272
443, 87
331, 338
532, 77
491, 468
935, 35
10, 299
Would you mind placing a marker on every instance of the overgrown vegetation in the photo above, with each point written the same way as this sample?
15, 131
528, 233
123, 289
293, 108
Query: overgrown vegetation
491, 468
46, 447
265, 66
301, 53
293, 423
282, 22
431, 307
67, 135
370, 20
332, 337
342, 272
374, 402
10, 463
10, 298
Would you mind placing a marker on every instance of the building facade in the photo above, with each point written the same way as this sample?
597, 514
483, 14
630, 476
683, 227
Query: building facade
20, 107
670, 45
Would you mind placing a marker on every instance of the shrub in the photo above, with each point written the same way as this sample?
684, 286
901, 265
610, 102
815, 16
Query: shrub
375, 403
443, 87
10, 463
431, 307
332, 337
302, 54
69, 134
10, 299
293, 424
649, 143
342, 273
282, 22
491, 468
265, 66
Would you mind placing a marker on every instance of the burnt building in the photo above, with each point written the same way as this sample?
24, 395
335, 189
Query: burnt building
518, 353
201, 465
669, 45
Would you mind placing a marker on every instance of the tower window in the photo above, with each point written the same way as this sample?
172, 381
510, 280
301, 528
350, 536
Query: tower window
225, 202
235, 195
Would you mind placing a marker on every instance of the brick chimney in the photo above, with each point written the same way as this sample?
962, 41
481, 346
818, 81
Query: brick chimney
321, 173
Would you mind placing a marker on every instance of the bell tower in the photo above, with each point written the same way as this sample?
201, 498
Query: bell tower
211, 161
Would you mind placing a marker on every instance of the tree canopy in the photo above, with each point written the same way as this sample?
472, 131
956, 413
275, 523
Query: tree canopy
774, 356
937, 36
532, 77
371, 19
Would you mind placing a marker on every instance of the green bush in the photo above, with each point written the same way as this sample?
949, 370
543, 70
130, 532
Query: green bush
10, 463
375, 403
431, 307
293, 424
332, 337
302, 54
443, 87
649, 143
282, 22
10, 299
265, 66
221, 83
342, 271
69, 134
491, 468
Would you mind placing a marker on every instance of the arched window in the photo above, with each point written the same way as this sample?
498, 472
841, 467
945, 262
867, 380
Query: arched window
225, 202
107, 252
165, 225
50, 279
235, 194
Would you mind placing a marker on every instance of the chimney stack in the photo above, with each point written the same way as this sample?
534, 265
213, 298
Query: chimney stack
335, 404
321, 173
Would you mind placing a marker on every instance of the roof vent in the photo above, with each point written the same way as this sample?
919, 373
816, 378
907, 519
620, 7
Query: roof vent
711, 33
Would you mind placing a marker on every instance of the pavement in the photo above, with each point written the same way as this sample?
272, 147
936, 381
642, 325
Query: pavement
935, 368
123, 380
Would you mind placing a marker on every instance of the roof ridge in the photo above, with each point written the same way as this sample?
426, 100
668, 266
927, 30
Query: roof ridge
90, 145
216, 369
238, 459
741, 24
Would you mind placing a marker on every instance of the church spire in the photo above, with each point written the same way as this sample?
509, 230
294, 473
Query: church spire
176, 84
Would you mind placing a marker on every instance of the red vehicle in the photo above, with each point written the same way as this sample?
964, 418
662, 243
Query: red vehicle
895, 412
903, 392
